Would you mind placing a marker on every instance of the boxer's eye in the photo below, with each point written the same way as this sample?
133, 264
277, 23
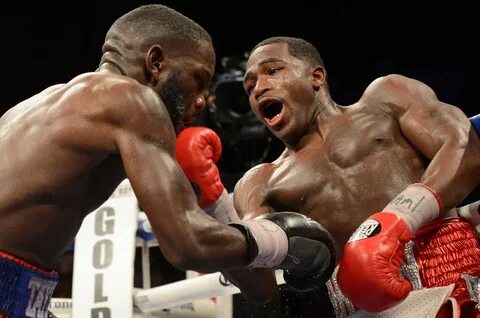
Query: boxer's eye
273, 70
249, 87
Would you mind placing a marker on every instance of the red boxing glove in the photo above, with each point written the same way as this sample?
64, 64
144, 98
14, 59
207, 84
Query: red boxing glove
198, 149
370, 271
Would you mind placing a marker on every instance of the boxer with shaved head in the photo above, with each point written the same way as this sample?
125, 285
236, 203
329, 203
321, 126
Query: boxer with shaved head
385, 171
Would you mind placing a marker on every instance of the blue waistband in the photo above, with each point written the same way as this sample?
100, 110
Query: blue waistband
25, 291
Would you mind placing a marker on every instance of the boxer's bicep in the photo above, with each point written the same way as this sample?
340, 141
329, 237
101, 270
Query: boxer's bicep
427, 123
145, 140
156, 178
163, 191
188, 237
440, 132
443, 134
430, 125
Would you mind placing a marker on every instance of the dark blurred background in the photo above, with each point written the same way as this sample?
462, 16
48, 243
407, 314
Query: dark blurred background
45, 44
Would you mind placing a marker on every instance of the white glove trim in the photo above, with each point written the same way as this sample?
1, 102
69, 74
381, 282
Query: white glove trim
223, 210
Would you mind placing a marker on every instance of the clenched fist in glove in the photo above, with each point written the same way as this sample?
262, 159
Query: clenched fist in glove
304, 249
370, 271
198, 150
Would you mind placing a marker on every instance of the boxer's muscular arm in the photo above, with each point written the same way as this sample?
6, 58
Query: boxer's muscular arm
441, 132
257, 285
187, 236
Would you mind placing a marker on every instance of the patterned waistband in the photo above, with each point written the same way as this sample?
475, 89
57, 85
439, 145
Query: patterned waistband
25, 290
443, 251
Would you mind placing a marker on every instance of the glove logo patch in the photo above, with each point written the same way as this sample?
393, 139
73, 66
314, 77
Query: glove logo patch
367, 229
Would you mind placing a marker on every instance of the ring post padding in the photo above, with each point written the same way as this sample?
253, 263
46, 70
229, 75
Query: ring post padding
104, 258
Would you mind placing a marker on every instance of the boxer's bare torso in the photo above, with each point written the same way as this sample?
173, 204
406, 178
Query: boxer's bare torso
338, 179
344, 163
58, 163
66, 149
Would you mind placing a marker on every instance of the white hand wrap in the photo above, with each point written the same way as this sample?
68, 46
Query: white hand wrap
416, 205
222, 210
272, 242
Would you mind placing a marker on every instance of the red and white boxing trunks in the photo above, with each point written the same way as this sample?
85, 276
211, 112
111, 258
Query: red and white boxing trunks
442, 253
447, 251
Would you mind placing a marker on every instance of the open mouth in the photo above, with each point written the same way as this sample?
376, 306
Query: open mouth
272, 112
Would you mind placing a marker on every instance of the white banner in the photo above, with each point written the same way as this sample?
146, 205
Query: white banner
104, 258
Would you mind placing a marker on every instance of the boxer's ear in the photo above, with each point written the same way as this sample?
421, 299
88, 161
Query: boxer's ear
319, 75
154, 61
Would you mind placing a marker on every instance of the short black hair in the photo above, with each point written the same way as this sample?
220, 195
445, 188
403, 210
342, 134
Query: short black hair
153, 22
297, 47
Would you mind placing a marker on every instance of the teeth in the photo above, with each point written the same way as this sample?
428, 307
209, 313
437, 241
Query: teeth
273, 119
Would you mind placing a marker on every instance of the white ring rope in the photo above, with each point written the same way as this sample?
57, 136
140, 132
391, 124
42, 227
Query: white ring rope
206, 308
176, 294
189, 290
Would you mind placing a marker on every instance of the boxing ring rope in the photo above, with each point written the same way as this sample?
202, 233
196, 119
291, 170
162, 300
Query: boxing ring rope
189, 290
172, 295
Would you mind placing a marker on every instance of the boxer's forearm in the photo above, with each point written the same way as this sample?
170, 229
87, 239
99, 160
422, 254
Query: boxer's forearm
189, 238
454, 171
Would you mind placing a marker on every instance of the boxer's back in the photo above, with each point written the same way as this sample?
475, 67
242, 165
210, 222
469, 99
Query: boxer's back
58, 163
362, 163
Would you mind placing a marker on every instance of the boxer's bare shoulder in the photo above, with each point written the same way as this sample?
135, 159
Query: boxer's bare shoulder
397, 93
101, 105
250, 198
253, 190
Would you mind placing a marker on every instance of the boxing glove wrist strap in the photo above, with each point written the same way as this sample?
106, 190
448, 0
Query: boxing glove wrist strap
271, 240
416, 205
222, 210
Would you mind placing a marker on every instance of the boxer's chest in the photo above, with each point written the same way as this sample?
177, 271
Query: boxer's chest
358, 167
